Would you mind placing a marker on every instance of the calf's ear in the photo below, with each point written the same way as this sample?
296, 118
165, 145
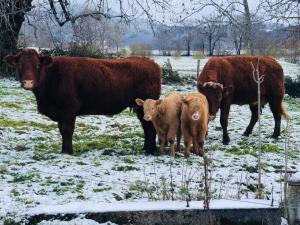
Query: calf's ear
139, 102
158, 101
46, 60
11, 60
185, 101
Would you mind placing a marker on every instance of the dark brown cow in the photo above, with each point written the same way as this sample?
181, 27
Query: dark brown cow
66, 87
229, 80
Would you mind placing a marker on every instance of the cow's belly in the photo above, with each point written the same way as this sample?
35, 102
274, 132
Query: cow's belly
248, 98
105, 107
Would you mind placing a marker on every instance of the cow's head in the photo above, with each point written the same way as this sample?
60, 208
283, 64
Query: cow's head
193, 108
28, 64
214, 93
150, 107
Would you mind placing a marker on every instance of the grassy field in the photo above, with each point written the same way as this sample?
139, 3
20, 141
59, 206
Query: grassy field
110, 165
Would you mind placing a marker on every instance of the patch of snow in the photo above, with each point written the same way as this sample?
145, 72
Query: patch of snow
77, 221
91, 207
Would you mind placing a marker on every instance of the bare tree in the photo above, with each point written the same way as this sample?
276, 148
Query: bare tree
233, 10
188, 35
162, 38
13, 14
287, 11
212, 29
237, 37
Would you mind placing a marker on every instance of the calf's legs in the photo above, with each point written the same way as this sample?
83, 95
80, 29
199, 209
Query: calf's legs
172, 133
66, 128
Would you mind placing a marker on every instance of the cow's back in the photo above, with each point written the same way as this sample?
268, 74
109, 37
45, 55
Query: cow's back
237, 71
100, 86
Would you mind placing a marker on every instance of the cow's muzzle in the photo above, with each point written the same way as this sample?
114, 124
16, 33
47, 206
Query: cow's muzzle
147, 117
27, 84
211, 117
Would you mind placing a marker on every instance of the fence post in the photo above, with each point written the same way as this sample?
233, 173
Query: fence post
198, 67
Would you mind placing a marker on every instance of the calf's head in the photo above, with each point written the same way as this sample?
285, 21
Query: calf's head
150, 108
28, 64
214, 93
193, 108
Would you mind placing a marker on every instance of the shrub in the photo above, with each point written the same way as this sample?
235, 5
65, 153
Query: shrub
122, 53
139, 50
176, 54
198, 55
272, 51
292, 86
76, 50
169, 75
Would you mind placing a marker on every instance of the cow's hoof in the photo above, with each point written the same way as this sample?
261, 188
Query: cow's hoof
67, 152
275, 136
201, 152
187, 155
246, 134
226, 141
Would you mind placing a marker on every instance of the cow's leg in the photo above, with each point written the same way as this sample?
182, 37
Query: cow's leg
254, 118
66, 128
187, 140
276, 110
162, 142
178, 139
187, 144
149, 132
201, 140
172, 133
224, 122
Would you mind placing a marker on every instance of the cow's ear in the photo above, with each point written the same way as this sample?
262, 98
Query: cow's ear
139, 102
46, 60
185, 101
158, 101
228, 90
11, 60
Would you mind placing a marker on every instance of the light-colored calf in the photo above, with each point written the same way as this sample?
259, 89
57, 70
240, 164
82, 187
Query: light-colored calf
194, 121
165, 116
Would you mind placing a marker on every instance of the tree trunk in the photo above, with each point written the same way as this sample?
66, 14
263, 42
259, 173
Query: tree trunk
188, 48
248, 28
10, 30
211, 51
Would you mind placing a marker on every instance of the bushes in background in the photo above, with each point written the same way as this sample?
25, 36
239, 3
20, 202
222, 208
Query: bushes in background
169, 75
292, 86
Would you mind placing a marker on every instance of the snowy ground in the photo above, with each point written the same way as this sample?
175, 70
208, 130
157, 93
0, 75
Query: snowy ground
110, 166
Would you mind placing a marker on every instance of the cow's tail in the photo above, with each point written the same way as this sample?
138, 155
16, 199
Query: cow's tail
285, 113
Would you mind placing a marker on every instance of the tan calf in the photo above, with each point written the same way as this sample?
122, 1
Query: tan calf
165, 116
194, 120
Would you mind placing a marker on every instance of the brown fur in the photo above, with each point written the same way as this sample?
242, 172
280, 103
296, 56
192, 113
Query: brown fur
66, 87
234, 76
194, 131
165, 116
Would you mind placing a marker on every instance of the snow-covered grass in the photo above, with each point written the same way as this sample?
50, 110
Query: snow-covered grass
110, 166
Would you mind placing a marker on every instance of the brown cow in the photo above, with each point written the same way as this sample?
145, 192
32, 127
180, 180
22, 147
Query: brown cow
229, 80
194, 120
66, 87
165, 116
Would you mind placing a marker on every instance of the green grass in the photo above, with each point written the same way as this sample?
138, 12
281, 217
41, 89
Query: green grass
18, 124
293, 104
22, 178
10, 105
125, 168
